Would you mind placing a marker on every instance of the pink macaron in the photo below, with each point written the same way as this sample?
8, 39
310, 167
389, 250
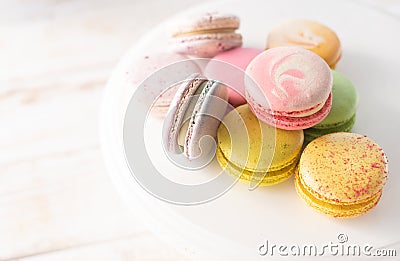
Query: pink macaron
289, 87
229, 67
206, 35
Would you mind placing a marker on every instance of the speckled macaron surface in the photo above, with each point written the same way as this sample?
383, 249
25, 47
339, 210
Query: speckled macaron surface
149, 65
342, 174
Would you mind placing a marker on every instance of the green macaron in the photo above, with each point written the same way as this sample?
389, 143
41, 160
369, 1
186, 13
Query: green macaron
342, 116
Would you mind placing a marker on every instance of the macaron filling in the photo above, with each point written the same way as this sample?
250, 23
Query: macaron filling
295, 114
181, 101
204, 89
233, 39
188, 114
208, 31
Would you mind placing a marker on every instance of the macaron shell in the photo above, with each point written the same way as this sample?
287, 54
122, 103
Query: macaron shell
177, 110
292, 123
288, 79
238, 59
310, 35
206, 45
210, 107
152, 62
257, 146
235, 98
161, 105
345, 168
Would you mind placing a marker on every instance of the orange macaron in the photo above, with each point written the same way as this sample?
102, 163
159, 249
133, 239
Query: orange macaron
310, 35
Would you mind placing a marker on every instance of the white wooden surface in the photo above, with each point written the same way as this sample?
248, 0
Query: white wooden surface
56, 201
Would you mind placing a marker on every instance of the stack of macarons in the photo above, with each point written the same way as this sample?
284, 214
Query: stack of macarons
275, 112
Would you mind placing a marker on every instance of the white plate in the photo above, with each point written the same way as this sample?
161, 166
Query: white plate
233, 226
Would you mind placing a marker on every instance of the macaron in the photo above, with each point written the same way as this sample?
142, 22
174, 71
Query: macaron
229, 67
342, 115
206, 35
289, 87
310, 35
194, 113
342, 174
255, 151
149, 65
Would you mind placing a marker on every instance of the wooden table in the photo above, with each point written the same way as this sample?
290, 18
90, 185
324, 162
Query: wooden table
56, 200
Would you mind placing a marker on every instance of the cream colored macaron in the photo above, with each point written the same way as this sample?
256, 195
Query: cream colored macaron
206, 35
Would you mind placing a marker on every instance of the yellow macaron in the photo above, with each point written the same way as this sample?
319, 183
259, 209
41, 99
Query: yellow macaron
310, 35
255, 151
341, 174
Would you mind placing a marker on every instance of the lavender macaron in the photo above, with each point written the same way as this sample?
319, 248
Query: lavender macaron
194, 113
